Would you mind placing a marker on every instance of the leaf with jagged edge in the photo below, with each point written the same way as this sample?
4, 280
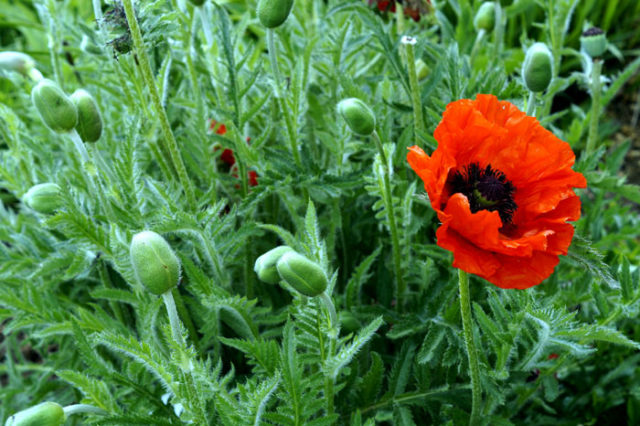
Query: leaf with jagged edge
336, 363
358, 278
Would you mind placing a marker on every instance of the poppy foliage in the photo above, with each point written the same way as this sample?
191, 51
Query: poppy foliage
502, 187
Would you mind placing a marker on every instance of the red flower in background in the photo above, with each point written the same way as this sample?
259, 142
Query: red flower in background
502, 186
412, 8
227, 155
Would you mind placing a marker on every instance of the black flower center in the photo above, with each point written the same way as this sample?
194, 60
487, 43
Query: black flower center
486, 189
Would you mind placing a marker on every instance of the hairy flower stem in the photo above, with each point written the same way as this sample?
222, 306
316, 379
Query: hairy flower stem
70, 410
147, 75
277, 83
418, 121
595, 107
393, 229
476, 45
185, 362
89, 167
474, 369
531, 104
329, 382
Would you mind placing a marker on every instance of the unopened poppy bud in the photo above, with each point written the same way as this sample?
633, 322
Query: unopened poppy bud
55, 108
155, 264
43, 198
265, 265
89, 125
537, 67
358, 116
44, 414
304, 275
16, 61
485, 18
594, 42
273, 13
349, 322
197, 2
422, 69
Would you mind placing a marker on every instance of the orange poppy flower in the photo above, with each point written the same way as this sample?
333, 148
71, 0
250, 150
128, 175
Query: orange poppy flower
502, 186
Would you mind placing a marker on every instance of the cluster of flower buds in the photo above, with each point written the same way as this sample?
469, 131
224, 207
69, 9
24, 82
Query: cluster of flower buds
300, 273
63, 114
154, 263
44, 414
273, 13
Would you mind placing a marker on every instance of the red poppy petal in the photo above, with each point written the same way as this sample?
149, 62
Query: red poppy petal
523, 272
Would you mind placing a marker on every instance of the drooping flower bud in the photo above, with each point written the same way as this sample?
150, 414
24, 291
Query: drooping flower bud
485, 18
44, 414
422, 70
304, 275
16, 61
89, 125
594, 42
273, 13
155, 264
358, 116
265, 265
55, 108
537, 67
43, 198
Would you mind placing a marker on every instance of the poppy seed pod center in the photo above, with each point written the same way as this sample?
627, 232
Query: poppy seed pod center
486, 189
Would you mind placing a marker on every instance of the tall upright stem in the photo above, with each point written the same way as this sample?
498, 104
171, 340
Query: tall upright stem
595, 106
531, 104
147, 75
273, 58
418, 121
393, 229
474, 369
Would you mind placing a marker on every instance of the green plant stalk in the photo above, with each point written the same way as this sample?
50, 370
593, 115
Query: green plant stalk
275, 69
531, 104
186, 318
329, 382
476, 45
147, 75
185, 363
393, 229
89, 167
595, 107
418, 121
53, 43
70, 410
474, 369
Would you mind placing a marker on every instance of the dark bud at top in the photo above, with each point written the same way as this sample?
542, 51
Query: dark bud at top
594, 42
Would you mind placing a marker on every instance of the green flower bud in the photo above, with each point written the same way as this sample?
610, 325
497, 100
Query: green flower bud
304, 275
43, 198
349, 322
265, 265
273, 13
55, 108
45, 414
485, 18
594, 42
156, 266
197, 2
537, 67
358, 116
16, 61
89, 125
422, 69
